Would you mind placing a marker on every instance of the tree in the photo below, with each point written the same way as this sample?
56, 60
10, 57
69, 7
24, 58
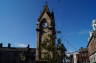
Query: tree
56, 52
61, 51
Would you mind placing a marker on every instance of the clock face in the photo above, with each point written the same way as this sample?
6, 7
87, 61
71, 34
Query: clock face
44, 25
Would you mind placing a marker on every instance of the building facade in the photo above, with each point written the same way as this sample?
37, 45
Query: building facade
92, 44
17, 55
82, 56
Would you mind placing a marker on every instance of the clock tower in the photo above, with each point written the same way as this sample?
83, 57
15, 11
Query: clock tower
46, 35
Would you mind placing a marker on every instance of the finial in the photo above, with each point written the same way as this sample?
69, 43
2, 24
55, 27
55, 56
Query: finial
46, 5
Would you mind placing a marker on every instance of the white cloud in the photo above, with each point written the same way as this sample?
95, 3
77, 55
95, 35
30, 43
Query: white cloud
21, 45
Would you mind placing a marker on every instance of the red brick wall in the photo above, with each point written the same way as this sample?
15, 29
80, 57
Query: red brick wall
83, 56
92, 47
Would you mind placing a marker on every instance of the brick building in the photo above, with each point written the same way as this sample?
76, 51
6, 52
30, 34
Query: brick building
92, 44
92, 47
82, 56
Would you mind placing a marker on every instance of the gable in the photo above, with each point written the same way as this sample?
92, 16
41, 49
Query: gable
47, 17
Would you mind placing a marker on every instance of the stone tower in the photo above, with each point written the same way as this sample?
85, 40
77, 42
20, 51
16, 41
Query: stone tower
46, 35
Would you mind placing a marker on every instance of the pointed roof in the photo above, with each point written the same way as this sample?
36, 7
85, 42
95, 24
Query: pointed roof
46, 9
93, 35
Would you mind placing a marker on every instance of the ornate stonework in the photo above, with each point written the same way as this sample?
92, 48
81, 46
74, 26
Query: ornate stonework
45, 35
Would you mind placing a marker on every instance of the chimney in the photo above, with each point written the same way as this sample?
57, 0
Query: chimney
28, 46
9, 45
0, 45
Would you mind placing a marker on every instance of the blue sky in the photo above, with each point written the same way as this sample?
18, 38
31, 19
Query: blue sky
18, 20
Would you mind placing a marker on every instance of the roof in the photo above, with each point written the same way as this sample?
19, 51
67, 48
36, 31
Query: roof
93, 34
14, 49
83, 49
46, 9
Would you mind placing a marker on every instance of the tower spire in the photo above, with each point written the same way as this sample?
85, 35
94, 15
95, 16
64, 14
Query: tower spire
46, 5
